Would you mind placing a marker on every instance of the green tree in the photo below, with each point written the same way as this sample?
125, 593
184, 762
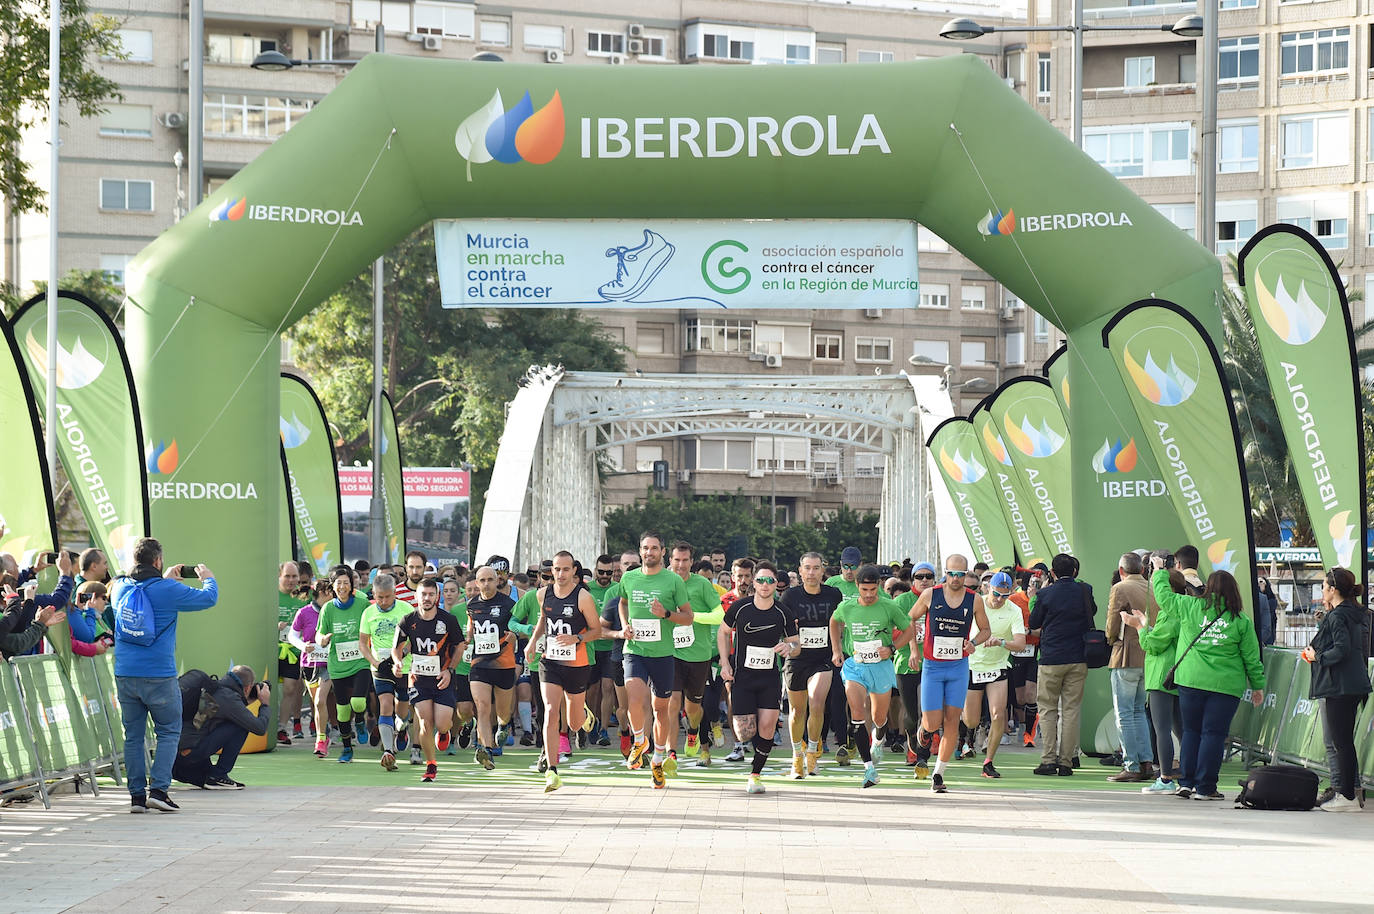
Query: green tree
94, 284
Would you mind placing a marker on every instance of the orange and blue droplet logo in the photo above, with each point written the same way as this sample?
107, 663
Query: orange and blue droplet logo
230, 210
162, 459
1115, 458
522, 134
997, 223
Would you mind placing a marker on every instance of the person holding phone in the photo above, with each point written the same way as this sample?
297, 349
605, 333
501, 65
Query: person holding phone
84, 620
1340, 680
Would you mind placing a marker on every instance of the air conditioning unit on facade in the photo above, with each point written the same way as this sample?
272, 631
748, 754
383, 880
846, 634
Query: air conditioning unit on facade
832, 479
553, 55
773, 360
433, 43
635, 30
636, 45
615, 59
173, 120
757, 356
684, 476
873, 312
1008, 313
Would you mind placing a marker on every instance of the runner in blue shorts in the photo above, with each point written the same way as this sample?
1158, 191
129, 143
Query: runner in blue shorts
950, 610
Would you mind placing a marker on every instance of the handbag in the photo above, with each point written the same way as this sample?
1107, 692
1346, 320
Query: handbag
1097, 653
1169, 684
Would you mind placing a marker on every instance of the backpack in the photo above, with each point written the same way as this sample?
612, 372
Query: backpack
133, 612
1279, 787
198, 705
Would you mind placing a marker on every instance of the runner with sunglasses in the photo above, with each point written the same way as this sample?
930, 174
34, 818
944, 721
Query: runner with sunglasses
990, 665
908, 668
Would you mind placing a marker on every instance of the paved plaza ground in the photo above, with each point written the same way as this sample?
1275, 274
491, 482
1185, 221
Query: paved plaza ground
316, 836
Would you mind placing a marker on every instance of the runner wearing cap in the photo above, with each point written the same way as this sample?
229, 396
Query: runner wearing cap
850, 560
990, 665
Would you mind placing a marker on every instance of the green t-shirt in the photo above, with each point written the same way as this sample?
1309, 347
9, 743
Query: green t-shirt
286, 609
861, 624
380, 625
599, 594
848, 588
460, 612
901, 661
653, 635
524, 617
1006, 623
706, 616
342, 625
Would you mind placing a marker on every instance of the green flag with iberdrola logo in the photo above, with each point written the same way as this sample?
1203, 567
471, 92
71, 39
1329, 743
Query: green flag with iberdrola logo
27, 523
99, 432
312, 474
1037, 436
955, 446
1025, 532
1175, 384
1302, 320
393, 482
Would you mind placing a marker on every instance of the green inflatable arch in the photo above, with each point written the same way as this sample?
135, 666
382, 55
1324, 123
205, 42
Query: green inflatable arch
941, 142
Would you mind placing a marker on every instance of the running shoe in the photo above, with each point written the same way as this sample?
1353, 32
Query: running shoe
870, 775
415, 757
1338, 803
314, 732
388, 761
910, 758
1159, 788
138, 803
296, 729
465, 736
756, 784
589, 722
497, 751
989, 771
552, 781
626, 742
510, 737
876, 751
217, 783
402, 735
1029, 740
483, 757
442, 741
704, 756
842, 757
360, 731
564, 746
613, 720
635, 760
1214, 795
1006, 740
542, 765
431, 771
798, 767
283, 739
736, 754
158, 799
692, 744
346, 755
852, 749
374, 736
322, 747
922, 770
1184, 793
811, 759
527, 738
966, 752
656, 772
564, 758
501, 735
937, 784
717, 734
670, 765
603, 738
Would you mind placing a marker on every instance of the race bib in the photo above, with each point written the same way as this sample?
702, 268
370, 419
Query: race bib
815, 637
947, 648
646, 629
467, 653
758, 658
486, 643
424, 665
346, 651
1027, 651
981, 676
684, 636
555, 651
867, 651
319, 655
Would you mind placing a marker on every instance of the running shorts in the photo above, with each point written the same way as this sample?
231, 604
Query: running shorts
571, 679
385, 681
798, 671
426, 688
944, 684
1002, 676
1024, 670
751, 694
879, 678
691, 676
493, 676
657, 671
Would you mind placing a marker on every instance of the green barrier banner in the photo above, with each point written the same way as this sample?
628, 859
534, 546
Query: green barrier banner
109, 693
100, 435
1025, 531
288, 547
26, 514
86, 684
1278, 679
16, 752
960, 458
60, 729
393, 483
1302, 713
312, 470
1174, 379
1033, 425
1364, 735
1298, 305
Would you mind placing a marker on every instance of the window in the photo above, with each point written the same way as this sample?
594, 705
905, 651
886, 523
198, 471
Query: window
605, 43
825, 462
1314, 140
876, 57
1327, 216
137, 44
114, 265
719, 335
449, 20
1187, 68
1317, 51
786, 455
549, 37
973, 298
236, 49
127, 120
615, 457
653, 47
934, 295
798, 53
866, 463
1043, 74
829, 53
723, 454
926, 240
645, 455
129, 195
721, 46
937, 351
1146, 150
392, 14
973, 353
1183, 215
649, 340
1140, 71
1016, 347
1239, 61
253, 115
873, 349
1238, 4
1012, 303
1040, 328
1369, 243
494, 32
1236, 222
1238, 146
829, 347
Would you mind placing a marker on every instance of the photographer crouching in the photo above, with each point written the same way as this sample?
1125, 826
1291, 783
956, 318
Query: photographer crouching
215, 721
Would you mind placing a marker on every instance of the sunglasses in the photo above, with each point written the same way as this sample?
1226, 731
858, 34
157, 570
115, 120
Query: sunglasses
765, 580
604, 572
998, 593
545, 577
923, 577
954, 574
847, 565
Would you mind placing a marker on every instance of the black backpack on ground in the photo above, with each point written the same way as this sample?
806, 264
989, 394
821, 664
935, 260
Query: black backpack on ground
1279, 787
197, 702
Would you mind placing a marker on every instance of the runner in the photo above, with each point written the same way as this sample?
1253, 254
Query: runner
314, 662
652, 598
524, 618
953, 611
908, 668
567, 623
429, 635
492, 677
742, 580
1024, 670
867, 628
610, 626
762, 630
288, 656
810, 672
340, 621
850, 560
603, 697
457, 607
692, 652
990, 665
377, 637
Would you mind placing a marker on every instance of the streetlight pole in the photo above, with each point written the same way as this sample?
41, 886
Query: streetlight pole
1078, 73
377, 507
195, 112
54, 142
1207, 139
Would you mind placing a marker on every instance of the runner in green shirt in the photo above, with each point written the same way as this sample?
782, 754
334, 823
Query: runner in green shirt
338, 629
692, 652
376, 637
288, 658
849, 569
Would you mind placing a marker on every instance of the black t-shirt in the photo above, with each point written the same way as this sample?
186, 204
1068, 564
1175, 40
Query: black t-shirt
438, 637
812, 612
757, 632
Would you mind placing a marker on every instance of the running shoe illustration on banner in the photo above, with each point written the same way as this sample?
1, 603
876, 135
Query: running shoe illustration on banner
636, 267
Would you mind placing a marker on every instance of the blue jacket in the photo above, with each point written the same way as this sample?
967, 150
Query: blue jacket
168, 598
60, 595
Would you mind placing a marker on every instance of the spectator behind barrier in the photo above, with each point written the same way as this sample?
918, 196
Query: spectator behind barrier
84, 618
215, 721
24, 621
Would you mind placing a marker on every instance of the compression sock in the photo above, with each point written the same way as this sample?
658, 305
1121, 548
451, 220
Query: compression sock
526, 716
813, 745
798, 748
923, 737
858, 735
387, 726
963, 732
345, 725
940, 766
881, 734
762, 746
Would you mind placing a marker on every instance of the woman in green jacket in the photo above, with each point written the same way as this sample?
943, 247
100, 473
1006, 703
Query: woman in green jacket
1341, 680
1220, 656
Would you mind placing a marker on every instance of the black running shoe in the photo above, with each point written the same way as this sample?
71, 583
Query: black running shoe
937, 784
158, 799
989, 771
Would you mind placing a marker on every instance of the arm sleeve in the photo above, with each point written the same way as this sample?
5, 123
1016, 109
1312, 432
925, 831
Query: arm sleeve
293, 634
83, 648
189, 599
60, 595
82, 622
23, 640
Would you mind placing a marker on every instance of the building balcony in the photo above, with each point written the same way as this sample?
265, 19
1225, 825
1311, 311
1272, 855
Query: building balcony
313, 13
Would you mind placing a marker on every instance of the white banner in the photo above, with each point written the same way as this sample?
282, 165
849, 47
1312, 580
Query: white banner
628, 263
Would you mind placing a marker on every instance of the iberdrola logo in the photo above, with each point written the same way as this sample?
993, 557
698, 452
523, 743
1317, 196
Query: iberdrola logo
1343, 538
230, 210
1222, 559
1033, 441
521, 134
294, 433
1294, 319
76, 367
995, 446
163, 458
961, 469
1114, 458
1161, 386
322, 556
995, 223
